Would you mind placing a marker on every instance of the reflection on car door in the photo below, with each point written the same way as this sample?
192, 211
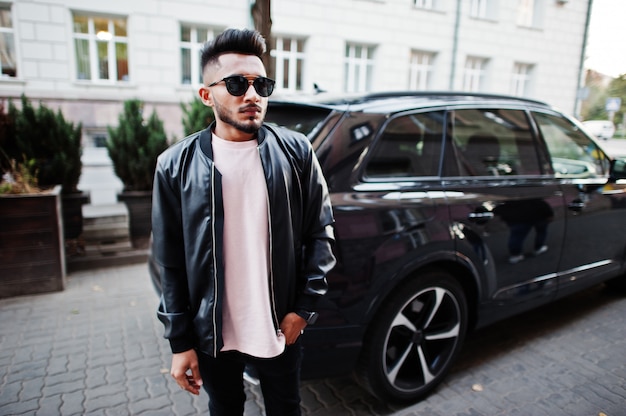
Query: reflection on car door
507, 215
595, 236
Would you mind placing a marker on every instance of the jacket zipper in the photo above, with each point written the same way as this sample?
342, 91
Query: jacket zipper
271, 253
215, 279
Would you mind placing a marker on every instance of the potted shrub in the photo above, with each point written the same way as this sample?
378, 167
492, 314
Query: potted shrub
196, 116
133, 147
52, 147
32, 258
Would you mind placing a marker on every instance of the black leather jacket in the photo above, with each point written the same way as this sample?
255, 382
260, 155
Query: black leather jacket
187, 226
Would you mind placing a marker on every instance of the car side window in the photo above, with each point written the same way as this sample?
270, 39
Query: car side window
493, 142
409, 146
573, 154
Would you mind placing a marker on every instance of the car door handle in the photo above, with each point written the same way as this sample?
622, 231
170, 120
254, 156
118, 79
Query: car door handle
576, 205
480, 216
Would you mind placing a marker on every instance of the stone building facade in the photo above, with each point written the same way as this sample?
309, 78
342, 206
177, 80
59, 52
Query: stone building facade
87, 56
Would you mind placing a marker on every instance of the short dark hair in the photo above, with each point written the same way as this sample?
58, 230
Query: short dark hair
243, 41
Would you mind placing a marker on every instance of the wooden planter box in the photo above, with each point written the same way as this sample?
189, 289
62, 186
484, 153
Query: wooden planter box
32, 256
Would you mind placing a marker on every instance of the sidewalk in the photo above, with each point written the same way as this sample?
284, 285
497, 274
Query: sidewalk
97, 349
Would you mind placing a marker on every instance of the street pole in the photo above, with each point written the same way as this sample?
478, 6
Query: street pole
455, 45
581, 66
262, 18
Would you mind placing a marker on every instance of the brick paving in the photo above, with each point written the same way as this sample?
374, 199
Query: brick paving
97, 349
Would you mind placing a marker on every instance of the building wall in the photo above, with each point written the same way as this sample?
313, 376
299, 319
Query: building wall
46, 58
396, 27
47, 62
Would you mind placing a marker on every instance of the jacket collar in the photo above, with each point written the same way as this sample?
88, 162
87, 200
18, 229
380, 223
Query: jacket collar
206, 136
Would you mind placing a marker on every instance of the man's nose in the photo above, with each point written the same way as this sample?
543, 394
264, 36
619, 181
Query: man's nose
251, 91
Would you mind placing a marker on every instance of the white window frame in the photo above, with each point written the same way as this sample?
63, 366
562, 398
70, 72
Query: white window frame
530, 13
93, 38
521, 78
194, 46
358, 67
293, 80
421, 69
525, 13
7, 43
478, 8
424, 4
483, 9
474, 73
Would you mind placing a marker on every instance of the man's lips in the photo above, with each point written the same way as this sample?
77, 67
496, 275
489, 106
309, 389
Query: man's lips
251, 110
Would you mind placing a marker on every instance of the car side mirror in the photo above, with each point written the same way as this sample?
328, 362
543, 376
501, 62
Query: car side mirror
618, 168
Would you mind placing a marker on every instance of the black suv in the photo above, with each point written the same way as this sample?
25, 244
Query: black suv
452, 211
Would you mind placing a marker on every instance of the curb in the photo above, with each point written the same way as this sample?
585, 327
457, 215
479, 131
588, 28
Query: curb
97, 261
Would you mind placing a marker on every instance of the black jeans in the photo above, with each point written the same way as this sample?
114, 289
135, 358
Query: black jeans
279, 377
519, 232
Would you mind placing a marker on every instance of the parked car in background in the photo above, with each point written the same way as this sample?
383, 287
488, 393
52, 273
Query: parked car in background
601, 129
453, 211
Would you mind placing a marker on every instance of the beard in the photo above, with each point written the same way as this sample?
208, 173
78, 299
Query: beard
252, 125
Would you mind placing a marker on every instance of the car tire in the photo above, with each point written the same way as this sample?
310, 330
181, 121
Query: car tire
617, 284
414, 339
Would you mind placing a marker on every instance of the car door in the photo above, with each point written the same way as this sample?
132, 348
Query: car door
382, 172
595, 237
383, 175
507, 213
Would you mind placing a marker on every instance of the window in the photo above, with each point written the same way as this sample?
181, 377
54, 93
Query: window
420, 70
424, 4
520, 79
409, 146
7, 43
358, 67
529, 13
473, 74
192, 39
525, 9
304, 119
492, 142
479, 9
101, 47
573, 154
95, 137
289, 62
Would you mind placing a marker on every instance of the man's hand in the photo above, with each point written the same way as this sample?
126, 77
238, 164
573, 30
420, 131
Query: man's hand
182, 363
291, 327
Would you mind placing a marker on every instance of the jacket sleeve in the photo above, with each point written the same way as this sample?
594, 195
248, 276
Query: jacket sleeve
318, 236
168, 254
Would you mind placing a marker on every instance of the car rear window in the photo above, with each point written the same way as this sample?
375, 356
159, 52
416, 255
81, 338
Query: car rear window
301, 118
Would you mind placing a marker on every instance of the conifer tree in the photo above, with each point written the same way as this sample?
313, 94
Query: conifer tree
47, 144
196, 116
134, 146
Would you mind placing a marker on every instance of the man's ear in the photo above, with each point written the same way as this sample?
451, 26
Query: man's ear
205, 96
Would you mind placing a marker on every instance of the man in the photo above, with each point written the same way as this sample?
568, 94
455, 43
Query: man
242, 229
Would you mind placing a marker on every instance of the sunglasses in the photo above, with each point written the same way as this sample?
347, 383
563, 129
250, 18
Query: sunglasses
237, 85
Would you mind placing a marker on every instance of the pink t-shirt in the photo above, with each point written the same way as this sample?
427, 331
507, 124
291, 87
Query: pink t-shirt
247, 317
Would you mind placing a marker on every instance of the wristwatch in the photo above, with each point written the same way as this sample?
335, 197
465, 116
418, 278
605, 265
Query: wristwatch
309, 317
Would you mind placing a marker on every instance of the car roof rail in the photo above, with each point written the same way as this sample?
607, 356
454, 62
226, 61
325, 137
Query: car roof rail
408, 93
